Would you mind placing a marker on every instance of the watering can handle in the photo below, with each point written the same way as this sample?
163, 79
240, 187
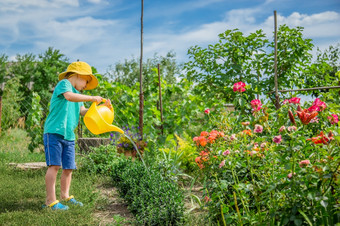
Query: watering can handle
104, 100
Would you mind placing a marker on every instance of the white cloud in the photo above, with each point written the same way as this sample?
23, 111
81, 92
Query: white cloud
80, 34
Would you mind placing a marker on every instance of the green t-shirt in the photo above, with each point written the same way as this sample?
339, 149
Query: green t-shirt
64, 115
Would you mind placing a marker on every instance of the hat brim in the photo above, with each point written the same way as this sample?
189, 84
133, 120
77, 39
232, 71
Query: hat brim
91, 85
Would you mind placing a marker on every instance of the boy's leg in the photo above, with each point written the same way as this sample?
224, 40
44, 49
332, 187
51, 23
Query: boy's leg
50, 179
65, 183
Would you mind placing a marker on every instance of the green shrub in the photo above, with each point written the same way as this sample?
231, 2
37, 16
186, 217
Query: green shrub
101, 160
152, 199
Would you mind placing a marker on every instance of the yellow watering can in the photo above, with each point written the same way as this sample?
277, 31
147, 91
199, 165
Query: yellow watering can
98, 119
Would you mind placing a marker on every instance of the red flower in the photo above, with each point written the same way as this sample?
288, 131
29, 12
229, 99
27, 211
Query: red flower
321, 138
305, 116
294, 100
239, 87
207, 111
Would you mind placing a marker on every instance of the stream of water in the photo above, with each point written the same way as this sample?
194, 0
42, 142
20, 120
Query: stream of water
135, 146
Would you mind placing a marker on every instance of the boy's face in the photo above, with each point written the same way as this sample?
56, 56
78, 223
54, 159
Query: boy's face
82, 82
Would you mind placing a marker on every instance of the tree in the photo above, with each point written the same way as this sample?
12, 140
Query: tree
323, 71
127, 73
249, 59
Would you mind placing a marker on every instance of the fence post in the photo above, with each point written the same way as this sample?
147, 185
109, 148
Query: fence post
0, 111
277, 100
160, 98
141, 94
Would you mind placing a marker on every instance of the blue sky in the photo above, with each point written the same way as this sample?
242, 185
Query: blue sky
104, 32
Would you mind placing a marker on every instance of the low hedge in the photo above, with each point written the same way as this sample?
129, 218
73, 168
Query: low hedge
151, 198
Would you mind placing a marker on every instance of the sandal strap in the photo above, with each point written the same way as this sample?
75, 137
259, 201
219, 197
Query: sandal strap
53, 203
69, 198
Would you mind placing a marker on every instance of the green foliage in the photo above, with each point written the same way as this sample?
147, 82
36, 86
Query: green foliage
34, 123
279, 175
249, 59
180, 150
152, 199
322, 72
101, 160
234, 58
50, 64
10, 107
128, 73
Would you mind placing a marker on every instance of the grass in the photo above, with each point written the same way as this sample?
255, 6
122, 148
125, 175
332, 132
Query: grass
22, 193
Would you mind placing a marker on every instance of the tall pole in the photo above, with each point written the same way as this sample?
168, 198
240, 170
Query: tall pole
141, 94
277, 100
160, 98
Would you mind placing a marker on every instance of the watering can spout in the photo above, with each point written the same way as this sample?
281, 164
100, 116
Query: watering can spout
98, 119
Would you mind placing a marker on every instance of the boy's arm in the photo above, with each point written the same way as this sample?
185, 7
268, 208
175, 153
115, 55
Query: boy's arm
83, 110
76, 97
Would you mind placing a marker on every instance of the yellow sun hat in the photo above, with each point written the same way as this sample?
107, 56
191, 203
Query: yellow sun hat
81, 68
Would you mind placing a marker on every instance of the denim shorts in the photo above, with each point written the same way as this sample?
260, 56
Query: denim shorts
59, 152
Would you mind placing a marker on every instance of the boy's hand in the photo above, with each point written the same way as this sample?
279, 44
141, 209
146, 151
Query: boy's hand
108, 103
97, 99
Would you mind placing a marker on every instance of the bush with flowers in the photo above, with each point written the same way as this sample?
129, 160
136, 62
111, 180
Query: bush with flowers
124, 144
270, 166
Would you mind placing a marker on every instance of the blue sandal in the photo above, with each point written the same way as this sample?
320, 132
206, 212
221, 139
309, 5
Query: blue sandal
72, 201
56, 206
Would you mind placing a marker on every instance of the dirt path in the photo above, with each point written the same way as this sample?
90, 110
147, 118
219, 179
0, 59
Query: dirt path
111, 209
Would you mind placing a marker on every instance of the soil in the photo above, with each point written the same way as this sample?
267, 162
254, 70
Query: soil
112, 210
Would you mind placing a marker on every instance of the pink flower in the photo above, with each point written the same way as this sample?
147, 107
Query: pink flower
290, 175
294, 100
282, 128
256, 105
233, 137
258, 128
207, 111
285, 101
222, 164
313, 108
291, 128
304, 163
239, 87
317, 105
277, 139
227, 152
256, 145
333, 119
263, 145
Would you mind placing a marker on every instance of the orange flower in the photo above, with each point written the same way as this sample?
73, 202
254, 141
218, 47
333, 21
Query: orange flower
247, 131
305, 116
202, 141
204, 133
321, 139
204, 156
291, 116
199, 162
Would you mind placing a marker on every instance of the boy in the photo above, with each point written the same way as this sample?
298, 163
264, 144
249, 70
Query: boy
59, 138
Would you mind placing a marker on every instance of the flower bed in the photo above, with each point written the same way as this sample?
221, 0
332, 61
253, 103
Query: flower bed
272, 166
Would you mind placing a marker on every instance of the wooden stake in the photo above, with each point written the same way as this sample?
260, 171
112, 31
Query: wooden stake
141, 94
277, 99
160, 98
